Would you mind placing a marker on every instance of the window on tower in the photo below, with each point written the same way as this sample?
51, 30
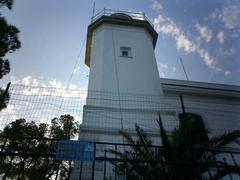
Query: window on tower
125, 52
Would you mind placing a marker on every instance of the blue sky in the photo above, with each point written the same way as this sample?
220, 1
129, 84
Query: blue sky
205, 34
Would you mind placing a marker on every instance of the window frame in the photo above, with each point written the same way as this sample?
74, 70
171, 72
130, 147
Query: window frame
126, 52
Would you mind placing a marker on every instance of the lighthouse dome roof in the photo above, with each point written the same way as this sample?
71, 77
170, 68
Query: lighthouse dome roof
121, 16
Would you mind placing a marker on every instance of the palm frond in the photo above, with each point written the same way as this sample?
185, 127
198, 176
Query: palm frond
127, 137
228, 138
130, 140
168, 153
163, 133
229, 169
117, 153
137, 169
142, 136
145, 141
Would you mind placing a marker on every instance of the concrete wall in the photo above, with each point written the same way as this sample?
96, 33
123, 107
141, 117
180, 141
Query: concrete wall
111, 72
218, 104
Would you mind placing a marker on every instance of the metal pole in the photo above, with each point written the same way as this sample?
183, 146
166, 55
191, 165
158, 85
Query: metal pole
104, 9
93, 13
93, 163
115, 163
182, 104
4, 95
93, 9
80, 176
184, 69
104, 172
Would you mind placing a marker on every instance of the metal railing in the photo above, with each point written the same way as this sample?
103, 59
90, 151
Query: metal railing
196, 163
108, 165
134, 15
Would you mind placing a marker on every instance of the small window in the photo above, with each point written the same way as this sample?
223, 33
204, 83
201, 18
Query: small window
125, 52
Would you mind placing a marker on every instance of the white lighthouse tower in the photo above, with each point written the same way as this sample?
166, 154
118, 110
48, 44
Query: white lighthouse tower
120, 54
124, 86
123, 71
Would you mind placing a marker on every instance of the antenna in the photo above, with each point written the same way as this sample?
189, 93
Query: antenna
93, 12
184, 69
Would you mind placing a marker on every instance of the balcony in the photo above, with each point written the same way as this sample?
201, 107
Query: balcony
128, 14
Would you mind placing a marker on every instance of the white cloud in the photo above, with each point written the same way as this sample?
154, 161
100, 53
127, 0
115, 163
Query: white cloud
228, 15
26, 81
55, 83
208, 60
220, 37
49, 98
164, 25
76, 70
11, 110
167, 26
43, 87
205, 32
227, 52
227, 73
156, 5
136, 14
184, 43
162, 67
218, 69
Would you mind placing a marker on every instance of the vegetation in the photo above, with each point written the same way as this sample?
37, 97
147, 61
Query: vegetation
9, 42
182, 156
35, 167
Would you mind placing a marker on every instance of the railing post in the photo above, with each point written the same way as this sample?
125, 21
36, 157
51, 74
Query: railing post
104, 9
125, 164
182, 104
144, 16
116, 162
104, 170
80, 175
93, 163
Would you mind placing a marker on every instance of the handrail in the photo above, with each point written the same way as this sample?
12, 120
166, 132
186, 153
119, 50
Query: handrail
134, 15
129, 145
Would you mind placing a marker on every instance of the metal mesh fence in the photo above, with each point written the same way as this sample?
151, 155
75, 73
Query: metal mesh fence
115, 110
103, 114
41, 104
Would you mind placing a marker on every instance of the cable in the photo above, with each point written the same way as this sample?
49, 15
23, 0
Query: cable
76, 63
117, 79
70, 78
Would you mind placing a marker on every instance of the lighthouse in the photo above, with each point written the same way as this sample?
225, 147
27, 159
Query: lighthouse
123, 71
124, 87
120, 55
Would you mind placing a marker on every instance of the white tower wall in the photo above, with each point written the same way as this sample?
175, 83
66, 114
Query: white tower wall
122, 90
111, 72
118, 85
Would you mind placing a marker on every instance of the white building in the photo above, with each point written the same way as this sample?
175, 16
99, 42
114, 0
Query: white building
123, 70
125, 89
